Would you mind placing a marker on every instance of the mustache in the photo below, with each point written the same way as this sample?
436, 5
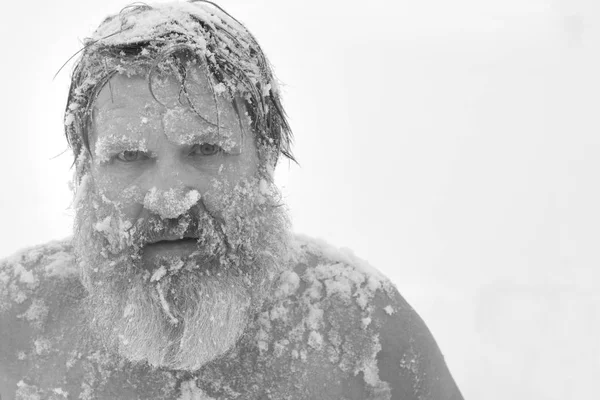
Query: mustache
197, 223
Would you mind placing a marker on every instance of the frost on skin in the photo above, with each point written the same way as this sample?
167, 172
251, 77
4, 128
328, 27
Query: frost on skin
309, 306
27, 392
36, 313
61, 265
289, 283
220, 88
322, 249
108, 145
214, 38
24, 275
4, 296
61, 392
313, 320
170, 203
42, 346
116, 231
315, 340
190, 391
410, 362
19, 277
319, 322
227, 139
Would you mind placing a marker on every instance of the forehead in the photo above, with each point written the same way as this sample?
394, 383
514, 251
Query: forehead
166, 88
181, 107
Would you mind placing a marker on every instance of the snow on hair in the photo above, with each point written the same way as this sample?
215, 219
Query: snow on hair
140, 37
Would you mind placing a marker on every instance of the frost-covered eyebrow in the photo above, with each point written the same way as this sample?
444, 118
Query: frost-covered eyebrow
108, 146
230, 142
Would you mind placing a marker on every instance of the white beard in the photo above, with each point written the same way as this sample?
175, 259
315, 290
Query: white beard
196, 312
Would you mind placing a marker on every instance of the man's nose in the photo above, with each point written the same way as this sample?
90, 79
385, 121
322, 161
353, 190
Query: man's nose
171, 203
171, 189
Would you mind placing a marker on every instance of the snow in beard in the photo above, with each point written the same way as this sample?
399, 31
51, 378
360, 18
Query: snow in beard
151, 314
142, 40
227, 221
183, 312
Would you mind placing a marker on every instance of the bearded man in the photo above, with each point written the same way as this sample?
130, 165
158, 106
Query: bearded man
181, 280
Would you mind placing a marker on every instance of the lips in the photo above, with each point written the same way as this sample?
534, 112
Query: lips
174, 243
171, 239
168, 248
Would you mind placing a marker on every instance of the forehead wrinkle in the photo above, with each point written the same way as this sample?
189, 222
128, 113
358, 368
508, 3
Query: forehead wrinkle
183, 125
121, 91
131, 109
128, 99
113, 125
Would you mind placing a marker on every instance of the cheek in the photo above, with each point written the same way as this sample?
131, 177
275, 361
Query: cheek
124, 196
233, 169
117, 184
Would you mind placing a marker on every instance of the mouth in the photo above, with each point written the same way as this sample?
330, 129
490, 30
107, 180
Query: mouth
169, 248
173, 241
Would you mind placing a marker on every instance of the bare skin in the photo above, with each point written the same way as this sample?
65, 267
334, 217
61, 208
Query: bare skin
297, 320
308, 342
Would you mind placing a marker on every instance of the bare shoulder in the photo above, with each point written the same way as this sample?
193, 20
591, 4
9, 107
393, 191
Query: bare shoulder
349, 332
334, 328
39, 286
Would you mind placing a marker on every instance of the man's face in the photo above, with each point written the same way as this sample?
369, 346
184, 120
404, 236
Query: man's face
153, 154
177, 230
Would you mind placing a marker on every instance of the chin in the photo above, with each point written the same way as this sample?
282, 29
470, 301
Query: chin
179, 316
176, 305
182, 323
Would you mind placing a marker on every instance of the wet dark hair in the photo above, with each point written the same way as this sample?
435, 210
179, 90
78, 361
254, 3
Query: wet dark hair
141, 38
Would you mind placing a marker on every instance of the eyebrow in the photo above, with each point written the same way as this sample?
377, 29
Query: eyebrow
106, 146
231, 143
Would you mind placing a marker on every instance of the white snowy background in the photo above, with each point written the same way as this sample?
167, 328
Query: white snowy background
453, 144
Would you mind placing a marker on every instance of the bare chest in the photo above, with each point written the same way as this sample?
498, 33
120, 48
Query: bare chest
245, 374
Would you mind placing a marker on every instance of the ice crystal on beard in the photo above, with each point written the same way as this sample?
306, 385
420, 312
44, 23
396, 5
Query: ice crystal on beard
165, 305
366, 322
289, 282
315, 340
158, 274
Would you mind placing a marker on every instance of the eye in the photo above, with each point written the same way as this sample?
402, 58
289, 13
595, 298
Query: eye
131, 156
205, 149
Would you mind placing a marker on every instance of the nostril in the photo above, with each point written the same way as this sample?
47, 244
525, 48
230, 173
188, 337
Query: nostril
170, 203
